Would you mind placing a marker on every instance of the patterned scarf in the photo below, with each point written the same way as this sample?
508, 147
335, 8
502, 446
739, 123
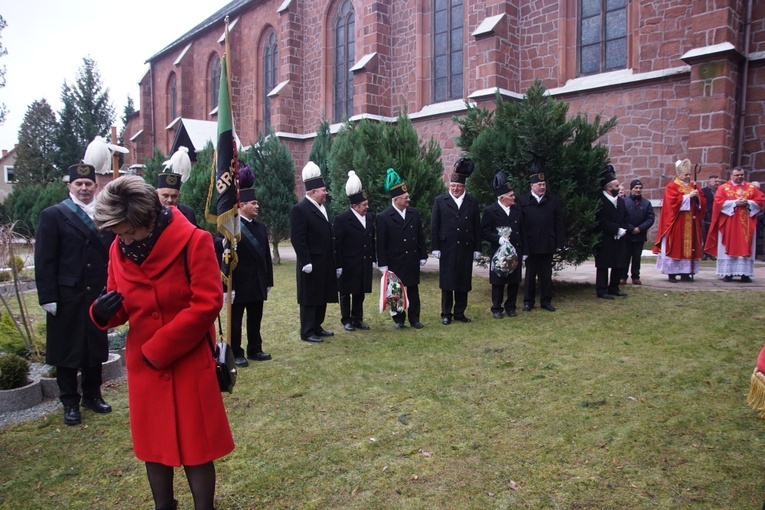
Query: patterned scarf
138, 251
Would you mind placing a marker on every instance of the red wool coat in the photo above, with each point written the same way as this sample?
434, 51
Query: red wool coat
176, 410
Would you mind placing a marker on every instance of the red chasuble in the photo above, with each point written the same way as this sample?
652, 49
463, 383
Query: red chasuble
682, 229
737, 230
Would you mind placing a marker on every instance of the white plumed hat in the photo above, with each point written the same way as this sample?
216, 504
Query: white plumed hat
312, 176
354, 188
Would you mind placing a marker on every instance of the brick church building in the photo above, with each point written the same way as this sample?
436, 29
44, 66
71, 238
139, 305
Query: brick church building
685, 78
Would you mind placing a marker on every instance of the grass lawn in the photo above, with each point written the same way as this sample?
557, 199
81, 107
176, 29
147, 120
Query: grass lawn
634, 403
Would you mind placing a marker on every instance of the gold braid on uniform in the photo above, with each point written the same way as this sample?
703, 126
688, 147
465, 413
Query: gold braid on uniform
756, 398
139, 250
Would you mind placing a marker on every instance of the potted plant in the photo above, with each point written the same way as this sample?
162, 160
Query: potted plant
17, 391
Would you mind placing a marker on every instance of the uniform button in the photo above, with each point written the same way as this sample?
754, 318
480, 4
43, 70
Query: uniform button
155, 315
87, 265
165, 377
87, 288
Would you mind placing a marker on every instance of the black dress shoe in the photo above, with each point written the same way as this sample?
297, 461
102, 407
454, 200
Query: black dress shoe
462, 318
527, 308
400, 325
169, 506
549, 307
324, 332
360, 325
511, 313
673, 278
728, 278
446, 321
686, 278
241, 361
606, 296
261, 356
313, 338
72, 415
97, 405
498, 315
349, 327
418, 325
746, 279
618, 293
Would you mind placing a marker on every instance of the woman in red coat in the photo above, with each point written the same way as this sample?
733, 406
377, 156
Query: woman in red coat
164, 279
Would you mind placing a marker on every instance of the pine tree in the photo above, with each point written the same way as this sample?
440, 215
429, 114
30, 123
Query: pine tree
320, 150
539, 127
126, 113
195, 190
274, 170
153, 167
369, 148
36, 148
87, 113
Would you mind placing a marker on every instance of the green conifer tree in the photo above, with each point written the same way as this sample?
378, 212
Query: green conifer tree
539, 127
370, 148
194, 191
274, 170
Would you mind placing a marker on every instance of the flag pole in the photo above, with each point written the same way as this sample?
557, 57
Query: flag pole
230, 276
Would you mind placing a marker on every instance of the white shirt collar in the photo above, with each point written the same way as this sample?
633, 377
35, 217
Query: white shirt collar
504, 207
320, 207
362, 219
402, 213
458, 200
89, 209
537, 197
610, 198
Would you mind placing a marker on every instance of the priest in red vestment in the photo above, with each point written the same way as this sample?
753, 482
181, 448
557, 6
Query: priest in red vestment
678, 242
732, 232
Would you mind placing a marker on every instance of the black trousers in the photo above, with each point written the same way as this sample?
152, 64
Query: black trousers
413, 293
254, 317
67, 384
456, 298
633, 254
351, 308
538, 266
311, 319
606, 285
498, 293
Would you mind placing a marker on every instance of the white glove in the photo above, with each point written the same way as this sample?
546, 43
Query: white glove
436, 254
383, 268
308, 268
268, 289
339, 272
422, 262
374, 265
525, 257
50, 308
503, 241
476, 255
620, 233
233, 295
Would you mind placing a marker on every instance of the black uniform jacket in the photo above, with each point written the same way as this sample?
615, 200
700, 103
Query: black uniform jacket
401, 243
494, 216
311, 237
456, 233
610, 252
354, 252
71, 259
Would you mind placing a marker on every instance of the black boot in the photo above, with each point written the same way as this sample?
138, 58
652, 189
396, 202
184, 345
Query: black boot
72, 415
171, 506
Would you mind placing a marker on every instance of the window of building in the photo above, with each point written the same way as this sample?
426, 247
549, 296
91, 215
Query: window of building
214, 80
345, 54
270, 77
447, 62
172, 99
602, 36
10, 176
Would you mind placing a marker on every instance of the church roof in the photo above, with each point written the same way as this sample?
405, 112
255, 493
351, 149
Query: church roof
195, 135
231, 9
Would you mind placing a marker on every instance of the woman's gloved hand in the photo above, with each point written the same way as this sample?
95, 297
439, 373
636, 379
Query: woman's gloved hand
106, 305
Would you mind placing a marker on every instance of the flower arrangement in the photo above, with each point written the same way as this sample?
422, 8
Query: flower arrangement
392, 293
505, 260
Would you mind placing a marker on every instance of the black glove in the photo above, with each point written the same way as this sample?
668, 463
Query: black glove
106, 305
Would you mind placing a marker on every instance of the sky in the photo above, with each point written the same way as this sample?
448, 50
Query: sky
46, 41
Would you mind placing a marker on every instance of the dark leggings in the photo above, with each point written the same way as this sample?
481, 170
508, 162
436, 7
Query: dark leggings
201, 481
